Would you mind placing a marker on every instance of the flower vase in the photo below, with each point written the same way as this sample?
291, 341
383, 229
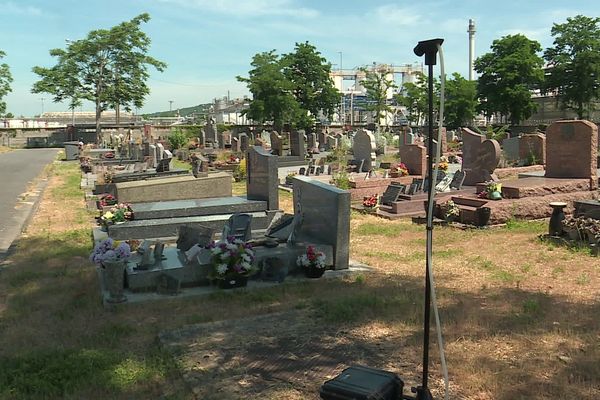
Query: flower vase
313, 272
555, 227
232, 283
483, 216
114, 279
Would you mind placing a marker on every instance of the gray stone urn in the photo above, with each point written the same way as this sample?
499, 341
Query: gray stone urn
113, 277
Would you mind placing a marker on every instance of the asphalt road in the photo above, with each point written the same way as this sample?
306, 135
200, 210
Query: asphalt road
18, 172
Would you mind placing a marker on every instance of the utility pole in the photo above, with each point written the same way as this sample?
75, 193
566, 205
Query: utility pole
342, 111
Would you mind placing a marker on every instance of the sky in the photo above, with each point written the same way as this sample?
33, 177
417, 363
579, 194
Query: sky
207, 43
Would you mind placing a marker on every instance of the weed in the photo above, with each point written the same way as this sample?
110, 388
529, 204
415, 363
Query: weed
525, 268
583, 279
556, 271
531, 307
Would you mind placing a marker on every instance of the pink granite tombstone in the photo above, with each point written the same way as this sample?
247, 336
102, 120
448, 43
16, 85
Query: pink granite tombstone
480, 157
415, 158
572, 150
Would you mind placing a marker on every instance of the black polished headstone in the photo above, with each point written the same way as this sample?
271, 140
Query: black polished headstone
391, 193
457, 180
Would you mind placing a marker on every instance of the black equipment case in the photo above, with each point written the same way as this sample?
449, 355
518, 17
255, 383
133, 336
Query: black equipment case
363, 383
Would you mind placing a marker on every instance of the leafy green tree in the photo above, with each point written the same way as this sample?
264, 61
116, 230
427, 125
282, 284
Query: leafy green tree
415, 98
292, 88
109, 68
271, 91
574, 64
377, 84
5, 80
313, 88
508, 74
461, 101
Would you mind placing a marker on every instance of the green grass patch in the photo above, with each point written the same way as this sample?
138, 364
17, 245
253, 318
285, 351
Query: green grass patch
61, 373
524, 226
367, 305
178, 164
388, 230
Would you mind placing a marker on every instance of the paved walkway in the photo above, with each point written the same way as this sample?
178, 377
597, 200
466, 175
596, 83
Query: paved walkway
19, 189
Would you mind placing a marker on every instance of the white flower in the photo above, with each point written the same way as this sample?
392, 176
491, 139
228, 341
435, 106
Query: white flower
215, 250
246, 266
231, 246
221, 269
250, 252
246, 257
225, 256
238, 241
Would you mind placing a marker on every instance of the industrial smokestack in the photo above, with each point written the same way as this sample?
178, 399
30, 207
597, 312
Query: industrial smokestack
471, 48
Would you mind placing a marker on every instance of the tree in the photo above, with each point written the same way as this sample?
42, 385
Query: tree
293, 88
415, 98
377, 84
272, 98
574, 64
5, 80
461, 101
313, 88
508, 75
109, 68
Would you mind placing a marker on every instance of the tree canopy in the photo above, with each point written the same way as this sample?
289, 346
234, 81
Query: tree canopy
5, 80
507, 75
573, 71
293, 88
109, 68
461, 101
415, 98
377, 84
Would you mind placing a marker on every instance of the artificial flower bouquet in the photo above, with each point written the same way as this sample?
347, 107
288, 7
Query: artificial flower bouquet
110, 251
231, 259
401, 169
311, 259
119, 213
371, 202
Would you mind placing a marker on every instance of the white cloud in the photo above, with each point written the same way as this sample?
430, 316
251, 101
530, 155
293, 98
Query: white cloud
18, 9
248, 8
393, 14
533, 34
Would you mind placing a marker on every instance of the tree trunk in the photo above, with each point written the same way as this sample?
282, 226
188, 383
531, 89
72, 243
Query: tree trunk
98, 115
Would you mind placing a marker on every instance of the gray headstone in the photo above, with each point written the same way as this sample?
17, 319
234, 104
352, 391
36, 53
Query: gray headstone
276, 144
322, 139
511, 148
152, 154
331, 143
311, 141
235, 145
160, 151
364, 149
297, 146
262, 180
244, 142
322, 212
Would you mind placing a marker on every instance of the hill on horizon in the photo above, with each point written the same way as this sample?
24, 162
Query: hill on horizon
200, 109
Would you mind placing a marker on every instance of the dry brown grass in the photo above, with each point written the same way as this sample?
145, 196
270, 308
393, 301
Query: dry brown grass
520, 316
